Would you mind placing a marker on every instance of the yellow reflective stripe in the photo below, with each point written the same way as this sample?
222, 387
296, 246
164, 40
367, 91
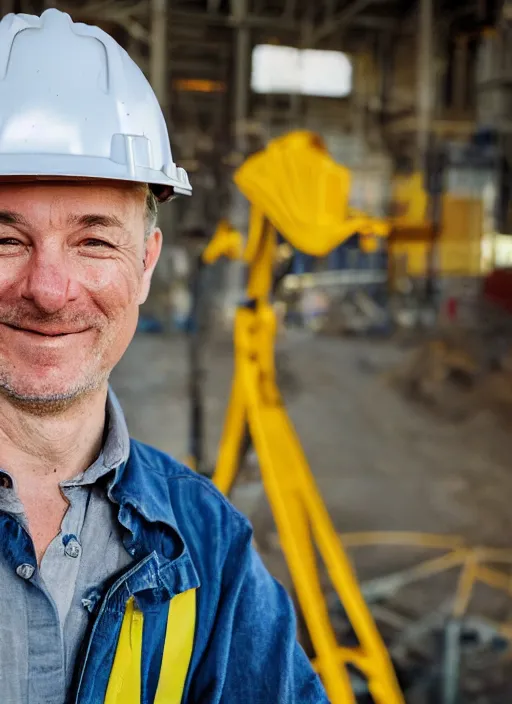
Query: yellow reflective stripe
179, 643
124, 686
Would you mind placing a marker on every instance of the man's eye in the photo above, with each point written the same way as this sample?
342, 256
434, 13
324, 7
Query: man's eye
95, 243
9, 241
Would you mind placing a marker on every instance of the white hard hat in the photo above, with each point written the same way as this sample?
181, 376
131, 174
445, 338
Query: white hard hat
74, 104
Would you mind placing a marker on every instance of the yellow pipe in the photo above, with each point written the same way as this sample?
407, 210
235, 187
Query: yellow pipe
404, 538
495, 579
465, 586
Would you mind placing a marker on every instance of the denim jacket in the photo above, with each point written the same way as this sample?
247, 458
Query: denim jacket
183, 534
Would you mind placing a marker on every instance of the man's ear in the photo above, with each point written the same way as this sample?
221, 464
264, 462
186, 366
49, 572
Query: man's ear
153, 247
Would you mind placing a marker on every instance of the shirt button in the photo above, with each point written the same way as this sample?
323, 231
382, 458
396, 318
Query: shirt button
25, 571
5, 480
73, 549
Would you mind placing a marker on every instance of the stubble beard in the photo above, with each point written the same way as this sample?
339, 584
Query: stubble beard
48, 402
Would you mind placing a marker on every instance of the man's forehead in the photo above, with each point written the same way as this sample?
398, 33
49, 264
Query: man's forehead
37, 197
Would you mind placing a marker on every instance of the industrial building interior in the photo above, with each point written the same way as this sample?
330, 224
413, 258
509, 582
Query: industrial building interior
393, 349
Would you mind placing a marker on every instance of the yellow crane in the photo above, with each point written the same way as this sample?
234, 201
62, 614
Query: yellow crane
294, 187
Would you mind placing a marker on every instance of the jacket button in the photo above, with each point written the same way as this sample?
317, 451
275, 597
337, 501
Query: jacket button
25, 571
73, 549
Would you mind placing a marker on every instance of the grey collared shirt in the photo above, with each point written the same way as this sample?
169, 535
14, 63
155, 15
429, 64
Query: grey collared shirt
41, 630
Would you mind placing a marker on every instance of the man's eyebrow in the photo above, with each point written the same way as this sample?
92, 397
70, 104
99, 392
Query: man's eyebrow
95, 220
10, 217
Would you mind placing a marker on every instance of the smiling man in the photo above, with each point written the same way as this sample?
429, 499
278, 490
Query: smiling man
124, 577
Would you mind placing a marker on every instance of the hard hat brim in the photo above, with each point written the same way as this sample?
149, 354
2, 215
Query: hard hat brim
14, 166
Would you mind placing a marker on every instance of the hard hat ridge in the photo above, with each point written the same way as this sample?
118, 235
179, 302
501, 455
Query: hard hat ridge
74, 104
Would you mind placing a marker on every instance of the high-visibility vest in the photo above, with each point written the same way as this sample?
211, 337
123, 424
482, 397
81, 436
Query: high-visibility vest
124, 685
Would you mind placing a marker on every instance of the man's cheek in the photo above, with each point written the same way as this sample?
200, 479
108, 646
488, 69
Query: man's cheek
114, 290
12, 273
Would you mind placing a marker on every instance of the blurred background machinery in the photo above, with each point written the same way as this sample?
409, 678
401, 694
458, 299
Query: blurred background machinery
294, 184
393, 352
361, 641
400, 90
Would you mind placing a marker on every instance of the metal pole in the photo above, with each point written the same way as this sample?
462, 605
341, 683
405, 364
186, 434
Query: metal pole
243, 50
239, 211
424, 78
386, 44
359, 95
425, 102
158, 53
450, 672
460, 72
196, 371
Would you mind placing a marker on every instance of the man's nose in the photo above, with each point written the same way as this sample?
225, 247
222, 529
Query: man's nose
50, 284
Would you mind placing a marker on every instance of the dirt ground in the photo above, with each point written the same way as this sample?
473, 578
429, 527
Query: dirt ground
381, 462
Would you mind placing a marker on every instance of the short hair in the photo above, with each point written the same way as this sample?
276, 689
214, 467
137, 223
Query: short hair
150, 212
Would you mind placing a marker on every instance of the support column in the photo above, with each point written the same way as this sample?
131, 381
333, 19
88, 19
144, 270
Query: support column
234, 271
359, 97
159, 53
460, 73
385, 51
425, 110
242, 74
158, 74
424, 81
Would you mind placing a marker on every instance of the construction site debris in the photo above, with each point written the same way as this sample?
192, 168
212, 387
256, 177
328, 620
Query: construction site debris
459, 374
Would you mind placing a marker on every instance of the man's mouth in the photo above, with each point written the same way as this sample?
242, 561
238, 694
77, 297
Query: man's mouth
55, 331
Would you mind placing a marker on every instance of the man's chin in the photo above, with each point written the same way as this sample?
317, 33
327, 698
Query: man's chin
48, 399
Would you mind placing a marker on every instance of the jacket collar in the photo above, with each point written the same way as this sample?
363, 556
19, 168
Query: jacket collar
143, 482
140, 487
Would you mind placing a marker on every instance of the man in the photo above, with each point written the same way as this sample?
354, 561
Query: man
124, 577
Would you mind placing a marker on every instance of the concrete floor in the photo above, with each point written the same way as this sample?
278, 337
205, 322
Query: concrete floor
380, 462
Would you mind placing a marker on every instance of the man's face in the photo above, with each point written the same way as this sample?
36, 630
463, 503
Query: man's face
74, 268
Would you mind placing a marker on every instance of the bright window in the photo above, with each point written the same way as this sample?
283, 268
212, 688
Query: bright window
284, 69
